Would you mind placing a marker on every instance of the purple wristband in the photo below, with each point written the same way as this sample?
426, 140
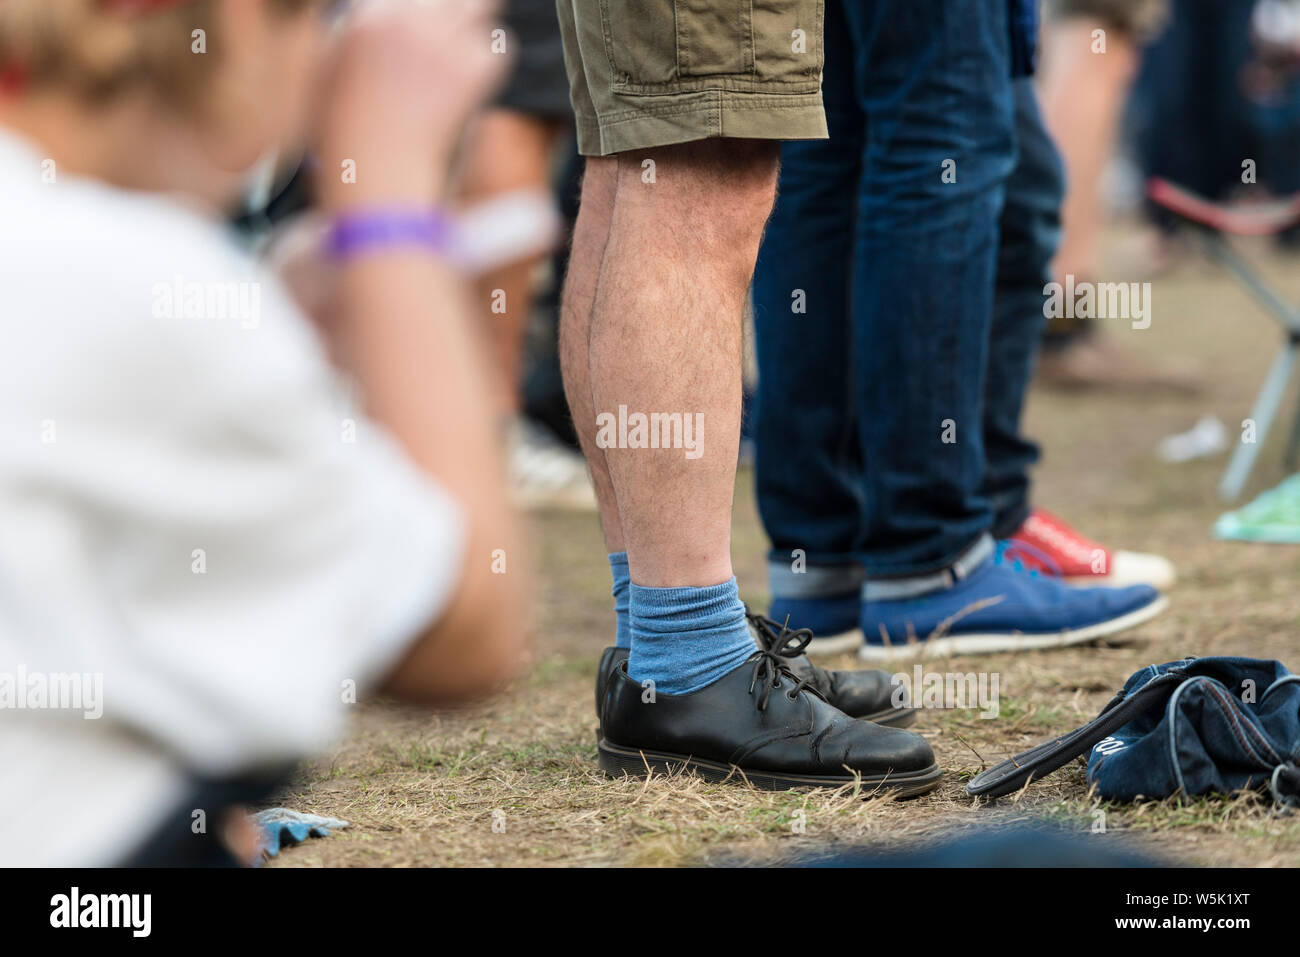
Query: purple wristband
364, 231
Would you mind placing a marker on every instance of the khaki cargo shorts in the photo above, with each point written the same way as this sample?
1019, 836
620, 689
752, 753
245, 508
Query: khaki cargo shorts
646, 73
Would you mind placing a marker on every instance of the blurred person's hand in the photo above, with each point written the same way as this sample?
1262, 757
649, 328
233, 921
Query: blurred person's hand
405, 80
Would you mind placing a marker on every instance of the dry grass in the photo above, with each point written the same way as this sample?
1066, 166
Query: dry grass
422, 790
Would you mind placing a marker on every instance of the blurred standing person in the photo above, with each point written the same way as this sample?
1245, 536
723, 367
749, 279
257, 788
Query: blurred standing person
1091, 56
1214, 92
508, 165
204, 551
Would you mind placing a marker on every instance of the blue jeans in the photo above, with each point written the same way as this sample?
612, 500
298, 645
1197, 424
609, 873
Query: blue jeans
902, 338
874, 293
1030, 234
1205, 736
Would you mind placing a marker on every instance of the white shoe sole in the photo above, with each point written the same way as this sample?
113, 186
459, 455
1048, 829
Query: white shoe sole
1116, 581
979, 644
840, 644
1130, 568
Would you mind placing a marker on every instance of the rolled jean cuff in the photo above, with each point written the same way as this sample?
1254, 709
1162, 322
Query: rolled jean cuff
914, 586
813, 581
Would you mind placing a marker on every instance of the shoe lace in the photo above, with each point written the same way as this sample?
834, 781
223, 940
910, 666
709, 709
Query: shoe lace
777, 644
1013, 552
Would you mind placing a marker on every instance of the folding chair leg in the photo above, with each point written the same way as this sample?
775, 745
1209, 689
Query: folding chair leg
1266, 405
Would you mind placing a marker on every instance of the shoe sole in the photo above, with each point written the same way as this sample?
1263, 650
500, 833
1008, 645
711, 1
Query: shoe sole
890, 717
978, 644
618, 761
1111, 581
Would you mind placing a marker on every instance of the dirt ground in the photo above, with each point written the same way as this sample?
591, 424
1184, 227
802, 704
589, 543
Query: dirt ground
516, 783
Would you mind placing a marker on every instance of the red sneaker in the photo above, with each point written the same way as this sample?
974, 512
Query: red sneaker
1055, 547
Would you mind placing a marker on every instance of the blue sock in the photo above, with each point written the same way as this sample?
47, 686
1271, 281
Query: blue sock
618, 568
686, 638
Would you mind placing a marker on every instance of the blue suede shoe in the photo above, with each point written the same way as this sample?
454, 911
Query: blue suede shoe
825, 598
832, 620
997, 606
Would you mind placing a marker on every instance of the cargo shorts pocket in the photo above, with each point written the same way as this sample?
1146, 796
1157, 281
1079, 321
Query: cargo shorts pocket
788, 41
669, 46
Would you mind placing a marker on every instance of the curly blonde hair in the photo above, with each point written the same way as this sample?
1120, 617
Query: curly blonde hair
97, 51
